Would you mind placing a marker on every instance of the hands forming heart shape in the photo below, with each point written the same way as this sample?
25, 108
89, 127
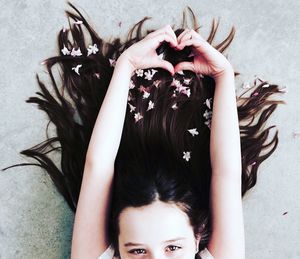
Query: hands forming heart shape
207, 60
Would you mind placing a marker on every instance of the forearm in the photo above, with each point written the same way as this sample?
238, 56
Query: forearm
225, 147
107, 132
227, 239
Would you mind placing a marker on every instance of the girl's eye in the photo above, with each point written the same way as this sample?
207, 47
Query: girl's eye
137, 251
172, 248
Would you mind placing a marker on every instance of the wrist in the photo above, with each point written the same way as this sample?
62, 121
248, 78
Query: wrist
124, 60
227, 74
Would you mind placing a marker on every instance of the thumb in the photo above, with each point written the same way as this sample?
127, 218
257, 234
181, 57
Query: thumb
184, 66
166, 65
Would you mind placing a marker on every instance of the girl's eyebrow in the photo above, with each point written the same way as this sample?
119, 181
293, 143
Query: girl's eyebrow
167, 241
175, 239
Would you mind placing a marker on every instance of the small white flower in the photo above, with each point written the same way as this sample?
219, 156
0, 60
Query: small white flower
97, 75
208, 123
146, 95
65, 50
149, 74
92, 49
180, 72
139, 72
186, 155
193, 131
266, 85
153, 71
112, 62
208, 102
76, 52
76, 69
150, 105
174, 106
137, 116
176, 83
132, 108
131, 85
187, 92
187, 81
207, 114
78, 22
129, 98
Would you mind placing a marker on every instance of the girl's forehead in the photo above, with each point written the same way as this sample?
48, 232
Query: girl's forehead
157, 222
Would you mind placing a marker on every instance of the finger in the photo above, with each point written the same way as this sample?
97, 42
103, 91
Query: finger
201, 45
165, 65
158, 39
166, 29
182, 34
184, 66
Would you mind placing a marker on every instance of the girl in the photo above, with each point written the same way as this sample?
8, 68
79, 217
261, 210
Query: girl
146, 166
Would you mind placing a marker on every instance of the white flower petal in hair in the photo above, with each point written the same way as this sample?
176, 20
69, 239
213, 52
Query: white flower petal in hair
131, 85
112, 62
129, 98
132, 108
186, 91
153, 71
193, 131
97, 75
208, 123
76, 69
139, 72
176, 83
92, 49
187, 155
208, 102
146, 95
65, 50
137, 116
78, 22
150, 105
265, 85
174, 106
207, 114
187, 81
76, 52
149, 74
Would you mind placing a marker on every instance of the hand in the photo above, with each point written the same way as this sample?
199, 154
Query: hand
142, 54
207, 60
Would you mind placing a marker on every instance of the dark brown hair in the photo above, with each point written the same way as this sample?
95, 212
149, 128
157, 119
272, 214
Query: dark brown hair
161, 136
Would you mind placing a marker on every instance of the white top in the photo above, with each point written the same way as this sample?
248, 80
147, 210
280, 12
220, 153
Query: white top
109, 254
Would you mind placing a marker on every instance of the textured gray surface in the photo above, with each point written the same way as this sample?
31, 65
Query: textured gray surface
35, 221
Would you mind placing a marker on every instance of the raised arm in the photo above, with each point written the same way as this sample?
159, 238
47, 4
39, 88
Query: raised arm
227, 239
90, 236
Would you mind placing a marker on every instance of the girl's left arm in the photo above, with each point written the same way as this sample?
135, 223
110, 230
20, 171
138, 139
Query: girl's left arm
89, 238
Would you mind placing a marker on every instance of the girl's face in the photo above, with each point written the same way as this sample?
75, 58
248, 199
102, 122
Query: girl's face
159, 230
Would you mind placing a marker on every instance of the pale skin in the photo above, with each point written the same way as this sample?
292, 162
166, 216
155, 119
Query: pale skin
90, 226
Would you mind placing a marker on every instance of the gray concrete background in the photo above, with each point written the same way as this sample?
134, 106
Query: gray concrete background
35, 221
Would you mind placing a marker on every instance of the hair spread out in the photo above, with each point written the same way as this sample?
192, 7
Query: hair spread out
153, 144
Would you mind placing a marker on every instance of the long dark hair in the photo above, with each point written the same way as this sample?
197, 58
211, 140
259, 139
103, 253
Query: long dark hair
161, 136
